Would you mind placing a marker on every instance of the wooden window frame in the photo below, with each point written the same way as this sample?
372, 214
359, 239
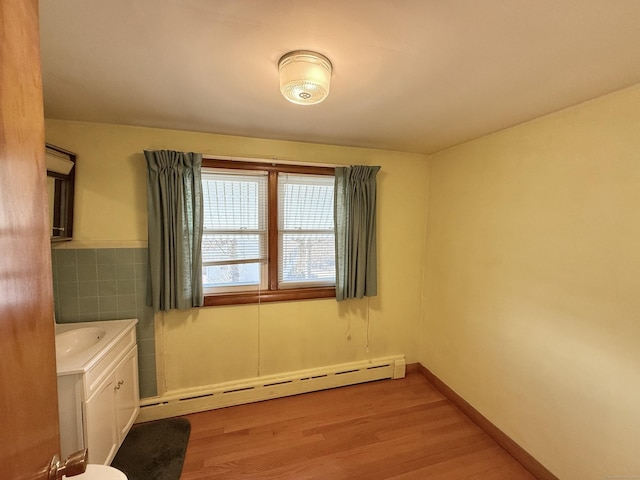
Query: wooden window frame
272, 293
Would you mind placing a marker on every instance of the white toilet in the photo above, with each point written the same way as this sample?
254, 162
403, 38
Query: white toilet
99, 472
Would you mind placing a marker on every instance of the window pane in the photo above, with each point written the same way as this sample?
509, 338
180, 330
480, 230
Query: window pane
231, 275
305, 220
305, 202
308, 258
231, 247
234, 201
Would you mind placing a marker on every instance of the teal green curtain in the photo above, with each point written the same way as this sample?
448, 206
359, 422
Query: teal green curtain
174, 202
355, 230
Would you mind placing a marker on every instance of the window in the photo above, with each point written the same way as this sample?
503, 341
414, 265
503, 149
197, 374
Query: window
268, 232
234, 237
306, 242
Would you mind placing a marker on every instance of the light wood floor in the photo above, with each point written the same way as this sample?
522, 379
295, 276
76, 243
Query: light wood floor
390, 429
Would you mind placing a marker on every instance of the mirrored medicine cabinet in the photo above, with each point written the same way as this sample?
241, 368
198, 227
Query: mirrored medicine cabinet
61, 171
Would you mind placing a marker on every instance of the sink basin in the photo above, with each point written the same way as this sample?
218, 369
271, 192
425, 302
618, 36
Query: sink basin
80, 345
78, 340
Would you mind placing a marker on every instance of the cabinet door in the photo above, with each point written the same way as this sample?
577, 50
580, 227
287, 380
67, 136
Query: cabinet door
127, 392
70, 413
100, 423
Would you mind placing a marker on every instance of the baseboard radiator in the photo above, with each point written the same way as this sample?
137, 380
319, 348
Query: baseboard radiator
182, 402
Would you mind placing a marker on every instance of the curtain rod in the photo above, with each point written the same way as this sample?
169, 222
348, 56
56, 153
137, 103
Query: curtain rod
271, 160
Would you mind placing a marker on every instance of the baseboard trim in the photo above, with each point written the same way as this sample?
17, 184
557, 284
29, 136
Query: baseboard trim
516, 451
186, 401
412, 368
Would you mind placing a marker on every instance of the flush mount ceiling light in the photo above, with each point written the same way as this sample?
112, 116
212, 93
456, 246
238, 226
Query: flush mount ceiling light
304, 77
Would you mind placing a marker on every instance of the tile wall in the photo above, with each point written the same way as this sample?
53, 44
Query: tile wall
92, 284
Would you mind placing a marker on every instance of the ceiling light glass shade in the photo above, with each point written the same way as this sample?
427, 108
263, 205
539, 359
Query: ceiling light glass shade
305, 77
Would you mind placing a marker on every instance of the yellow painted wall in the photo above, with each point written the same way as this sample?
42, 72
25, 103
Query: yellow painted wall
219, 344
532, 310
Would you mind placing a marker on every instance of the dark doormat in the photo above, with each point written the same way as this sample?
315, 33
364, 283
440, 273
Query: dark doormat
154, 450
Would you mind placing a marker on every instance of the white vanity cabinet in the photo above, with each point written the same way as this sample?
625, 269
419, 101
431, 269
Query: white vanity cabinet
99, 403
110, 409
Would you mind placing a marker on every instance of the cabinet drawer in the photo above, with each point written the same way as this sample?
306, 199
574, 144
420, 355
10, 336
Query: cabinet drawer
96, 374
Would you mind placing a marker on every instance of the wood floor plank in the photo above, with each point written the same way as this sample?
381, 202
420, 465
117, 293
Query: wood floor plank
386, 430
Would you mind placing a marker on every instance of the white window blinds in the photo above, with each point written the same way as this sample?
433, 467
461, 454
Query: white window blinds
306, 230
234, 243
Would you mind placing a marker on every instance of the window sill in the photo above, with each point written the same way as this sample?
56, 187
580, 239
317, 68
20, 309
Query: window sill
268, 296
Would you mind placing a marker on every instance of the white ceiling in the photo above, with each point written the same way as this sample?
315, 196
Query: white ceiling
409, 75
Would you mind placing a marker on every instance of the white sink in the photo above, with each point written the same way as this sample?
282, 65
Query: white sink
78, 340
80, 345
